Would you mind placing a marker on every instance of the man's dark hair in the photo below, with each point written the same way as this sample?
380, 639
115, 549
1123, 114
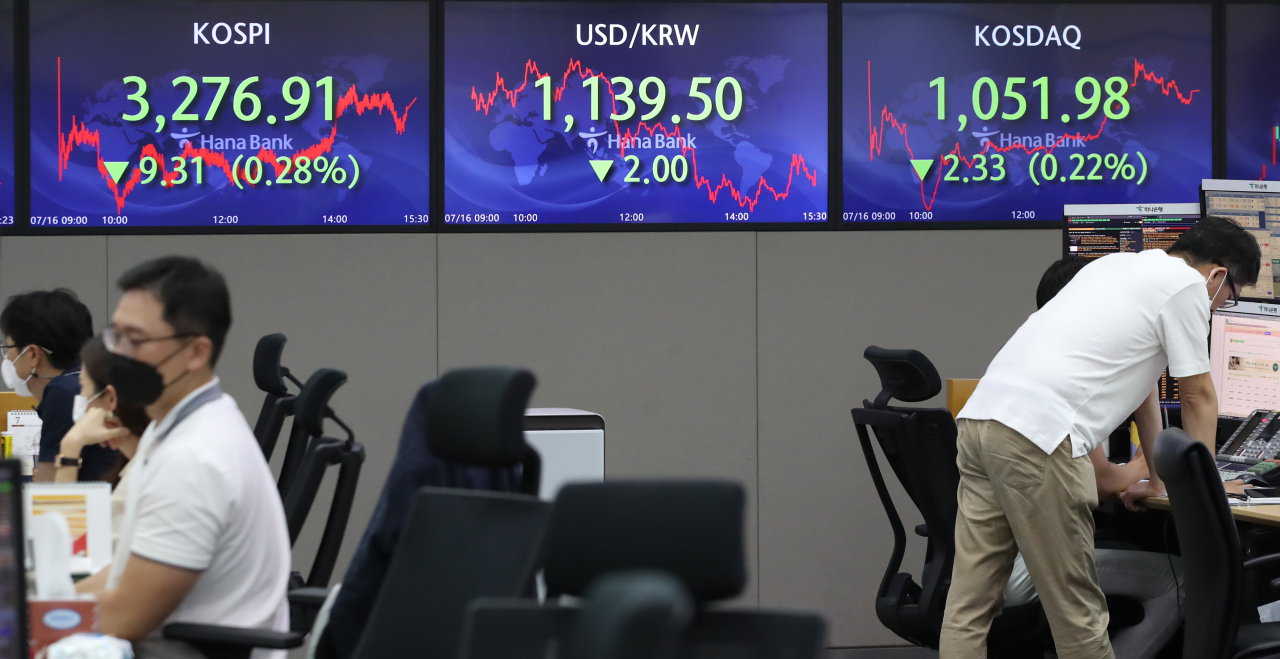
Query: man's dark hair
1222, 242
194, 296
1062, 271
56, 320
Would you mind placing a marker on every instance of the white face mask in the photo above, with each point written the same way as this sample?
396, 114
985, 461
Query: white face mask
81, 405
10, 374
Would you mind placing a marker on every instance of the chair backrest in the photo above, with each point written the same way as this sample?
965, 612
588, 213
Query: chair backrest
692, 530
323, 453
278, 403
310, 409
522, 629
1211, 558
920, 446
476, 417
636, 614
458, 545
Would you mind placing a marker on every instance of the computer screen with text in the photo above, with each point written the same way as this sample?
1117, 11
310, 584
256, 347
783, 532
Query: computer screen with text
1244, 361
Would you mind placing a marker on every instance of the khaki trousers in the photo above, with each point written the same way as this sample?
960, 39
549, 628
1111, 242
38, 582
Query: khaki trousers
1013, 497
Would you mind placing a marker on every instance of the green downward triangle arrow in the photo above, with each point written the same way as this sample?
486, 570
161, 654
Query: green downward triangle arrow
116, 169
602, 168
922, 167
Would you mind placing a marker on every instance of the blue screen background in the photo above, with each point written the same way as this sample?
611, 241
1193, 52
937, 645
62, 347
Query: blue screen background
1253, 91
893, 51
509, 161
379, 47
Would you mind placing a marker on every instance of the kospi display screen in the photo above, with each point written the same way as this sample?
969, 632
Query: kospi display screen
635, 113
1253, 92
999, 113
224, 114
6, 116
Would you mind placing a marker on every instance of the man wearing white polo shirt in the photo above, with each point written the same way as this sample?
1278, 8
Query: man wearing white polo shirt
204, 538
1073, 371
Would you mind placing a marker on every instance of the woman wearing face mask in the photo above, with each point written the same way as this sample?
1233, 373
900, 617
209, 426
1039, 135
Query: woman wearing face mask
43, 333
103, 418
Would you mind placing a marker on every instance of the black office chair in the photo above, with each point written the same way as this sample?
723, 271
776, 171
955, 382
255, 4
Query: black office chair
634, 614
270, 377
472, 421
463, 431
691, 530
920, 446
307, 595
427, 551
1212, 563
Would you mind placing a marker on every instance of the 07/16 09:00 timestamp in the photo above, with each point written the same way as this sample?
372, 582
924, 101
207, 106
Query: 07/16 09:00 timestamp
890, 216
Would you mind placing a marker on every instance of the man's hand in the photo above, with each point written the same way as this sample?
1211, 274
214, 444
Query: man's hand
1135, 497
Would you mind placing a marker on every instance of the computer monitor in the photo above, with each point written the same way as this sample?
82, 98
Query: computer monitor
1244, 358
13, 579
1255, 205
1093, 230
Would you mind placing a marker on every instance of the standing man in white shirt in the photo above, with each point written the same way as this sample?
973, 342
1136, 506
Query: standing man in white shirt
204, 538
1073, 371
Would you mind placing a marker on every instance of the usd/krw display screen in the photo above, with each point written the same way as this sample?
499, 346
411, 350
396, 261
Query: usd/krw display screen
988, 113
635, 113
1253, 92
6, 115
228, 114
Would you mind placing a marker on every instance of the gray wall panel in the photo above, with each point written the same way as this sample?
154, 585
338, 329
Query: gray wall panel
361, 303
76, 262
656, 332
954, 295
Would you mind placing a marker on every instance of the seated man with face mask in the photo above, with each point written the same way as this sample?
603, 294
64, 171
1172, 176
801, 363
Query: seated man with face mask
43, 333
203, 539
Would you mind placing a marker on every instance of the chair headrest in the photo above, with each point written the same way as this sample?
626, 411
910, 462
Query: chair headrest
314, 399
906, 375
476, 415
266, 364
636, 614
1175, 453
690, 529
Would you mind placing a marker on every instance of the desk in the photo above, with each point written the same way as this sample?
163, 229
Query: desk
1268, 515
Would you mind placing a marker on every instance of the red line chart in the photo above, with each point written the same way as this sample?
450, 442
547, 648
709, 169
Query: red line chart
484, 101
928, 199
81, 135
1274, 136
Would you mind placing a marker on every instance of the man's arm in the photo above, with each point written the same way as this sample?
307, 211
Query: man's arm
1199, 408
1112, 478
148, 593
1199, 418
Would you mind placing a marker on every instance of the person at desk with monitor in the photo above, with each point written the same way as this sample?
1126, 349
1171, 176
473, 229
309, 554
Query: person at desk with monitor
1067, 377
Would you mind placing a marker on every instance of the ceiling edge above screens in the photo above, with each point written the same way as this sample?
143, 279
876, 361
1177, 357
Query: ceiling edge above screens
942, 115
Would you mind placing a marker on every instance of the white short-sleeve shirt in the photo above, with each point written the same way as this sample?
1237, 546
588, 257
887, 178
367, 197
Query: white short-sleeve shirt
1080, 365
203, 498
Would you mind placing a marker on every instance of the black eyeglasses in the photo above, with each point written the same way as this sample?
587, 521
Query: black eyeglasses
125, 345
